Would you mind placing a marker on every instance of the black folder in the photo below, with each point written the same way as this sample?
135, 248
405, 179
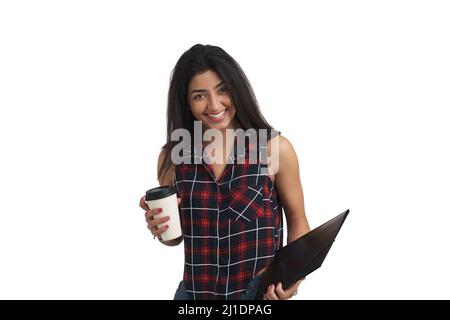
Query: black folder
302, 256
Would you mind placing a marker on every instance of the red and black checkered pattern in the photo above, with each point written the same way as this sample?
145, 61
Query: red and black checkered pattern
232, 227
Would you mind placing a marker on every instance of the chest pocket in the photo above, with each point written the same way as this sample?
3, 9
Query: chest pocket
246, 203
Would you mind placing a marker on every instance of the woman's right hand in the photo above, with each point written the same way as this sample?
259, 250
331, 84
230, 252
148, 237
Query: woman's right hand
152, 222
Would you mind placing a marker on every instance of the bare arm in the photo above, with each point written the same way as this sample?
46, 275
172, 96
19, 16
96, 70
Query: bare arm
290, 191
289, 188
166, 180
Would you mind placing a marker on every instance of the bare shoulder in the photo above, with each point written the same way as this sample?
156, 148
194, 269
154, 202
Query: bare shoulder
287, 151
167, 178
280, 145
281, 155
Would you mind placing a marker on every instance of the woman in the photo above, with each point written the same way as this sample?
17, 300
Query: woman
231, 210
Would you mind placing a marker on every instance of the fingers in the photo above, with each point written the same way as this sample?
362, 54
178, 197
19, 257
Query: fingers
292, 291
278, 293
150, 213
157, 232
143, 204
156, 222
156, 226
270, 294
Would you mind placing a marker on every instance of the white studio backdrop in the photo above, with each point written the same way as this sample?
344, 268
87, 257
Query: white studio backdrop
360, 88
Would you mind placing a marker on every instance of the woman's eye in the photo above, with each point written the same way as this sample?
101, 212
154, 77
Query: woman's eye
222, 90
197, 96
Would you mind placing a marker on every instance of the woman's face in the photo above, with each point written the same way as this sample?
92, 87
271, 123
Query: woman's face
210, 101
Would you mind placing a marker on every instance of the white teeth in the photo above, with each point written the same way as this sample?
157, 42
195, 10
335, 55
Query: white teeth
217, 115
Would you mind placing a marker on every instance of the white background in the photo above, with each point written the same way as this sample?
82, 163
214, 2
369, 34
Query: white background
360, 88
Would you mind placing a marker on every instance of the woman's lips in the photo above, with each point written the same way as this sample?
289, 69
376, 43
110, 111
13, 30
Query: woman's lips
217, 117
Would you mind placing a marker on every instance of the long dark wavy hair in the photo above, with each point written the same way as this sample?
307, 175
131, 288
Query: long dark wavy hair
196, 60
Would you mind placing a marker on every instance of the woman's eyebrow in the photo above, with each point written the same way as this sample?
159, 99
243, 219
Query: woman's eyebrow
204, 90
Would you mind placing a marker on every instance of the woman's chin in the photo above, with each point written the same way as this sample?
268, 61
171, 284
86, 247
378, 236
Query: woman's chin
224, 124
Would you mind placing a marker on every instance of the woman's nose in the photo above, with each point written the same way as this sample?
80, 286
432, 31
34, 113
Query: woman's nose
214, 103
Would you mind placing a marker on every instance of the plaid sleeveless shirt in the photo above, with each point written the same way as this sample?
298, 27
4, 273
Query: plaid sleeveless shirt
232, 226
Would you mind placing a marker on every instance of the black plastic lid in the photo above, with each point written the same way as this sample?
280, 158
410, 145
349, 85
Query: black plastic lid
159, 193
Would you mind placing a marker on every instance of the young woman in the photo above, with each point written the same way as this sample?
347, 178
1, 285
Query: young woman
230, 210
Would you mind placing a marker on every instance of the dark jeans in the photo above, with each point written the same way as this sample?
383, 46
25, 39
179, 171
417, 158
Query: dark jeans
249, 294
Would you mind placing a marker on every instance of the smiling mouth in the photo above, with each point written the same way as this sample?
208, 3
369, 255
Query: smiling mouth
217, 116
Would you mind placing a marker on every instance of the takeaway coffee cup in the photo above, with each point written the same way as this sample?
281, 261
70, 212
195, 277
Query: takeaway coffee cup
166, 198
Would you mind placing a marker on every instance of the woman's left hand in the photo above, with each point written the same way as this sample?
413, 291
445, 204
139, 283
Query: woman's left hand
277, 292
